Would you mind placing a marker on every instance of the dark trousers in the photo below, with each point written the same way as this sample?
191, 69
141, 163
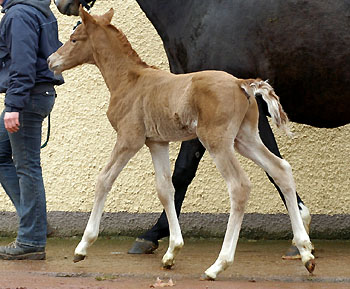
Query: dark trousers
20, 168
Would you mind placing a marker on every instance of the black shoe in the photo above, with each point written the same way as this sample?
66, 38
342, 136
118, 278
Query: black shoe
14, 251
143, 246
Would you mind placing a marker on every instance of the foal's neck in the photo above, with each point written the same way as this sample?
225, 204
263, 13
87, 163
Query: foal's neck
116, 59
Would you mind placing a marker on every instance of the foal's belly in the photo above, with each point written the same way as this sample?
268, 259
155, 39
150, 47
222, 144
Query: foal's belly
173, 131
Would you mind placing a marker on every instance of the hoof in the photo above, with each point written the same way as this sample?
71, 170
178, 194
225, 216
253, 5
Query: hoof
167, 267
142, 246
167, 262
292, 254
78, 258
310, 265
205, 277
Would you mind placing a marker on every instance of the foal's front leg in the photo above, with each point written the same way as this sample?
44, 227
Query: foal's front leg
121, 154
165, 189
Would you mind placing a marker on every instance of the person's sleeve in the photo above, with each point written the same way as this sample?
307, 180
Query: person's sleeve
22, 41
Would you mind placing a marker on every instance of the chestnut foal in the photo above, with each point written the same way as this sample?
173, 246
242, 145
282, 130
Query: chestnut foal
153, 107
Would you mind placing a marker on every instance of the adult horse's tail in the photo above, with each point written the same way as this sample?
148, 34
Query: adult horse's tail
256, 87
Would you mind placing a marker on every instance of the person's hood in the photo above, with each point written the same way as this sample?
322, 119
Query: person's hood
42, 5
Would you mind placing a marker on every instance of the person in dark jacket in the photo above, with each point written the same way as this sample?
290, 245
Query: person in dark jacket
28, 35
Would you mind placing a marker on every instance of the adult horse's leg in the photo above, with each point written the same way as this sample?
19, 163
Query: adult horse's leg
250, 145
122, 153
185, 169
165, 189
269, 141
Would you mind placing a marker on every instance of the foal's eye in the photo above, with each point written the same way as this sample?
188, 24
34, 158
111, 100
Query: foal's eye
74, 40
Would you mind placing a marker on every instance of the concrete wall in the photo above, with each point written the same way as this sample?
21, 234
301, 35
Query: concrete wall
82, 139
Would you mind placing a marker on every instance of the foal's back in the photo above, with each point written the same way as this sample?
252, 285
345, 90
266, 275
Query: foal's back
171, 107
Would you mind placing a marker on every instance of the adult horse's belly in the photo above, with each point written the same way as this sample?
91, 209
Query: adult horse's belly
302, 47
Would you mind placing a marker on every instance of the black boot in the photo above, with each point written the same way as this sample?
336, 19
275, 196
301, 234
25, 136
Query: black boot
143, 246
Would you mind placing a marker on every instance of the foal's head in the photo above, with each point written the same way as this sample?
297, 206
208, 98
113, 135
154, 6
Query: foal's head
78, 49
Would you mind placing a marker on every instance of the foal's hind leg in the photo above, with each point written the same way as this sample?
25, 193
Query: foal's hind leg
121, 154
249, 145
165, 189
268, 139
238, 186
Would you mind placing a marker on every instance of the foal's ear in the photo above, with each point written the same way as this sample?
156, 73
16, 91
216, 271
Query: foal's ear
109, 15
85, 17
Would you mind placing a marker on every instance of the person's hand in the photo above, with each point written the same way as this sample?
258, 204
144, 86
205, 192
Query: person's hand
11, 120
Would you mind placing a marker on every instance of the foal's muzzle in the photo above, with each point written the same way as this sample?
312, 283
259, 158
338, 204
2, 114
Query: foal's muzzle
53, 63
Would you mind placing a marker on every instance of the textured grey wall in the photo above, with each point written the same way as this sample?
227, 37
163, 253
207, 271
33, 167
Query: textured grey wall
255, 226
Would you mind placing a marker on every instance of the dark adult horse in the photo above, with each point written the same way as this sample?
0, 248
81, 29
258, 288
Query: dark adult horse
301, 46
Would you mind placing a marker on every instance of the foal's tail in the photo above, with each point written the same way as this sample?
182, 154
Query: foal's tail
255, 87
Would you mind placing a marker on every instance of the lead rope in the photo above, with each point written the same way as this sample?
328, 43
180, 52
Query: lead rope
48, 132
86, 5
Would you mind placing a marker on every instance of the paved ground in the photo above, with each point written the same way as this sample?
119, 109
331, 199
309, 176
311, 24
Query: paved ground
258, 265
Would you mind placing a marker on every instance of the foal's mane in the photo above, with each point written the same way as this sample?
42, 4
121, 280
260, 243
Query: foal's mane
125, 44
